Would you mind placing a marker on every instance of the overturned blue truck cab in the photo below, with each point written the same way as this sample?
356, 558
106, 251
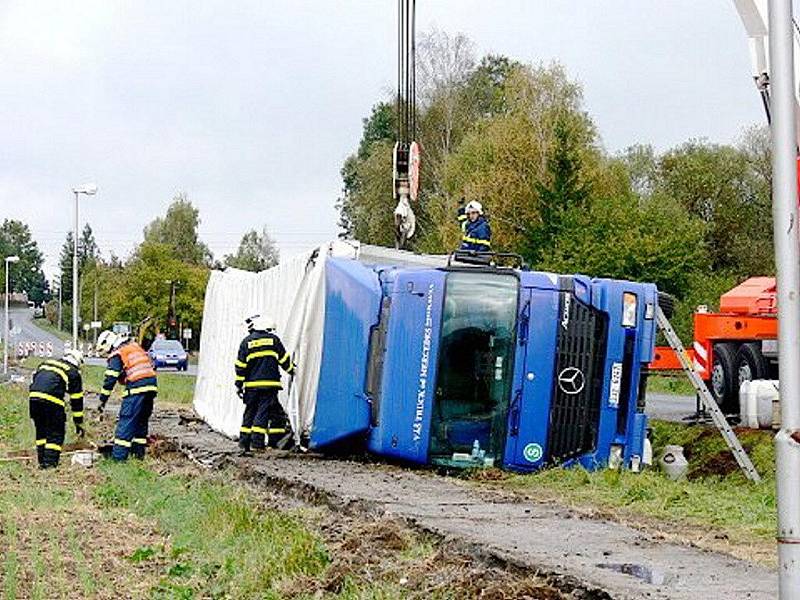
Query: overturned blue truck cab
463, 366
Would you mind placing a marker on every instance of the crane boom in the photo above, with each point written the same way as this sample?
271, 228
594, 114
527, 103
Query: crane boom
754, 16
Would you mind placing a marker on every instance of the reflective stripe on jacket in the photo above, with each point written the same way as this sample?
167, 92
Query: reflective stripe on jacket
477, 235
53, 380
260, 356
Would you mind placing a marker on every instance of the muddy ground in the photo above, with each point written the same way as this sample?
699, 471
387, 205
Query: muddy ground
578, 556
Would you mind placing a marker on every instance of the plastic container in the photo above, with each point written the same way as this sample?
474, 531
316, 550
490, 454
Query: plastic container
673, 462
759, 404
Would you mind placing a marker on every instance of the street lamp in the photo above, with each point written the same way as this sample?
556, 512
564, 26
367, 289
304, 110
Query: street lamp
9, 260
90, 189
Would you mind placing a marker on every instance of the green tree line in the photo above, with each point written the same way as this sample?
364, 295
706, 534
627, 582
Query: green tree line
694, 219
160, 286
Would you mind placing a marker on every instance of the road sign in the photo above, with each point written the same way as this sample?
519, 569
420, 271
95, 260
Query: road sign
187, 334
97, 324
86, 327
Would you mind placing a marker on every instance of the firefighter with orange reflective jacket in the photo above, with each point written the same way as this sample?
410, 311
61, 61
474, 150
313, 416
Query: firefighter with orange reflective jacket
258, 380
128, 364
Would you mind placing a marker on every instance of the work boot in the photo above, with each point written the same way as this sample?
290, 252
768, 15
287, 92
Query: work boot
244, 448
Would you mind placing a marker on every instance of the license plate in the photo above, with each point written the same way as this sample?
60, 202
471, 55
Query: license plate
172, 362
616, 384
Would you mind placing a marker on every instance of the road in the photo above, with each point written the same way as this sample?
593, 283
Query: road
24, 329
668, 407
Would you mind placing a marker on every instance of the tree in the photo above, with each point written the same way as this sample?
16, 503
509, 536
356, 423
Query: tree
719, 185
141, 290
88, 256
642, 165
256, 252
655, 241
564, 191
26, 275
179, 230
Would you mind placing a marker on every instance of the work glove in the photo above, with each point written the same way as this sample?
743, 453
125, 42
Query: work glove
101, 409
240, 392
79, 430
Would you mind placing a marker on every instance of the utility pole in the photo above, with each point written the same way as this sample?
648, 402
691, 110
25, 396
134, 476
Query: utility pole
59, 304
787, 262
94, 312
6, 341
89, 189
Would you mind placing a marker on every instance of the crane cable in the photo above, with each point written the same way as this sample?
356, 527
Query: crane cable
406, 72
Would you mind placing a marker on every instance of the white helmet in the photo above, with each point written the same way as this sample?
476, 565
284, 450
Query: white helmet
108, 341
74, 357
260, 323
474, 206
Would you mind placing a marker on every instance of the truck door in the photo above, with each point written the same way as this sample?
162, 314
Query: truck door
533, 379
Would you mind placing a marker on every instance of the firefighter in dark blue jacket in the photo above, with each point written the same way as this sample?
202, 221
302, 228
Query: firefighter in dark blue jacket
258, 380
53, 380
128, 363
476, 233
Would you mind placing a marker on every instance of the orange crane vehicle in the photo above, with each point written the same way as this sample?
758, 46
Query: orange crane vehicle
739, 342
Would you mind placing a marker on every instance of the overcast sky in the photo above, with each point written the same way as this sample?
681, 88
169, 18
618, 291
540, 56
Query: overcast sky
251, 107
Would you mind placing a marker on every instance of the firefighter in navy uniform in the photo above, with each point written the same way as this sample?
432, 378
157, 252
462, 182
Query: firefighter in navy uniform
476, 233
128, 364
53, 380
258, 380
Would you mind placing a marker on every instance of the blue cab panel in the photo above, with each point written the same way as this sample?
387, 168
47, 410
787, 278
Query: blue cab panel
352, 306
466, 366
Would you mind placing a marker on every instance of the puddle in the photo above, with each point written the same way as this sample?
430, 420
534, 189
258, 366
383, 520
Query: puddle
652, 576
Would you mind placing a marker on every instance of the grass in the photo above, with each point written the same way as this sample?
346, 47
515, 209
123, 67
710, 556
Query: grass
220, 543
92, 533
715, 507
162, 529
677, 384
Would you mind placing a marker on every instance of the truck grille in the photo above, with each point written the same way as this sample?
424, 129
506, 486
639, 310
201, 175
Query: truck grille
578, 380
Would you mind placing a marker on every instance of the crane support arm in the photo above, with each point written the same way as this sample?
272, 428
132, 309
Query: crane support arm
755, 18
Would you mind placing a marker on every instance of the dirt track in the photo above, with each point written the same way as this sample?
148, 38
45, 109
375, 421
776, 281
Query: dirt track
592, 559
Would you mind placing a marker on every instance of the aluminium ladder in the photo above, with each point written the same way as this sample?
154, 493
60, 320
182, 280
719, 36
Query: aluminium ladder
707, 399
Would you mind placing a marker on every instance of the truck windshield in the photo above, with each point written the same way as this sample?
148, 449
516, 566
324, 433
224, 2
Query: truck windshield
476, 359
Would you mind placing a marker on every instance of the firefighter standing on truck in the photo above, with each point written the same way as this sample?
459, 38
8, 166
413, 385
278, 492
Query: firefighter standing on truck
476, 234
258, 380
128, 363
52, 380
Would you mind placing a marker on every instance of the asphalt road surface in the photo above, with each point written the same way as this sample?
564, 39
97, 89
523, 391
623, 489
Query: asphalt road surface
23, 329
668, 407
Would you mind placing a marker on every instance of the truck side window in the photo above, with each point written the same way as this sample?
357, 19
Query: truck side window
377, 354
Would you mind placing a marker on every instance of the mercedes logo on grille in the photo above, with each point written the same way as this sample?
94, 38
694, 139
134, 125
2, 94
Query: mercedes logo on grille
571, 381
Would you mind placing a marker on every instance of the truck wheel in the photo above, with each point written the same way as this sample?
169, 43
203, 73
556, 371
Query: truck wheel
750, 363
666, 303
724, 377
